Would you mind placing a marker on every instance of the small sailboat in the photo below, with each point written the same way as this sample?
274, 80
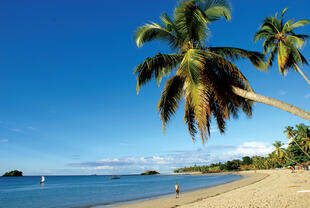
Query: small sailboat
42, 179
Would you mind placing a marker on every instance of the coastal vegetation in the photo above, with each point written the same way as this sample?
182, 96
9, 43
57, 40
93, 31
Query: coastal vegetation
13, 173
296, 153
150, 172
204, 76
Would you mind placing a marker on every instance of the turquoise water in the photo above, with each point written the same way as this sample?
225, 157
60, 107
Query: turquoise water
77, 191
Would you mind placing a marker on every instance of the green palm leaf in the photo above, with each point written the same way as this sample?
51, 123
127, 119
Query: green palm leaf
215, 9
171, 96
153, 31
256, 58
156, 67
192, 64
300, 23
190, 22
189, 118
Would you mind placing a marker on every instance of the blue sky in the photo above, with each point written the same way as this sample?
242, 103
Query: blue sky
68, 100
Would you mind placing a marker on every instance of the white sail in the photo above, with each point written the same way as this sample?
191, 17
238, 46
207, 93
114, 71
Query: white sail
42, 179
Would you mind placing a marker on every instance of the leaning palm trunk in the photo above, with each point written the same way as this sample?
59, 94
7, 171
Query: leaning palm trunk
291, 160
302, 74
300, 148
273, 102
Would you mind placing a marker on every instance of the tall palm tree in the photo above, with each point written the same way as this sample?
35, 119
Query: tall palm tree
306, 141
280, 40
303, 136
211, 85
293, 134
280, 152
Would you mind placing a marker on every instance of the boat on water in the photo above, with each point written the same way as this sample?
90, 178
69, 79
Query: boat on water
114, 177
42, 179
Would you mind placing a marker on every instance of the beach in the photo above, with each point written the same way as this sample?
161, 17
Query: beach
262, 188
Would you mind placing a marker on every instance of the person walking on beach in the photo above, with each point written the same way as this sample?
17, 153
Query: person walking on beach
177, 190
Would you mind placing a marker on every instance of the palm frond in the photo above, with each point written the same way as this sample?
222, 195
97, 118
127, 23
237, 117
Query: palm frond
271, 57
262, 34
300, 35
282, 14
190, 22
215, 9
233, 75
170, 98
219, 116
189, 118
269, 43
296, 41
256, 58
296, 58
199, 100
153, 31
192, 64
271, 23
299, 23
156, 67
283, 55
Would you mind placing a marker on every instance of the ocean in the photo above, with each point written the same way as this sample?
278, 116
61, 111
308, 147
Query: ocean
79, 191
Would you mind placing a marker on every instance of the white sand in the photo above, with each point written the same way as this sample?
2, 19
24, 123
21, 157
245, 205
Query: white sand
279, 189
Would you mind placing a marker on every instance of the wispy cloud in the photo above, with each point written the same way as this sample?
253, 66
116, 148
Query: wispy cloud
307, 96
176, 159
3, 140
282, 92
16, 130
31, 128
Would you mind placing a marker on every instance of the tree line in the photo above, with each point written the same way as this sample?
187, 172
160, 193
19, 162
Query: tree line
297, 152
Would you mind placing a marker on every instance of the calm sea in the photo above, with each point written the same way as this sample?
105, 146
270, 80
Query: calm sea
77, 191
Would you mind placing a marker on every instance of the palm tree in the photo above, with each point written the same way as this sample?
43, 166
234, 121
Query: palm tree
280, 40
293, 134
303, 136
211, 85
306, 141
279, 152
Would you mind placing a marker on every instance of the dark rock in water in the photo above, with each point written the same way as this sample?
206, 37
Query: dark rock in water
150, 172
13, 173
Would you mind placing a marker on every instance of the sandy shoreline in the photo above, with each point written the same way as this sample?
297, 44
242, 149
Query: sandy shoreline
280, 189
197, 195
264, 188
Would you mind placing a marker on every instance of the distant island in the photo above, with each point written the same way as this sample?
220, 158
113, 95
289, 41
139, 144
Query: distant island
150, 172
13, 173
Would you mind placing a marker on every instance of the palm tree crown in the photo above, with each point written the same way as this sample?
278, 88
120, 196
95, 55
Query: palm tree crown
279, 151
280, 40
203, 76
302, 135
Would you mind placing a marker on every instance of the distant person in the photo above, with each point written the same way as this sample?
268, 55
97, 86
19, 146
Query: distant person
292, 169
177, 190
